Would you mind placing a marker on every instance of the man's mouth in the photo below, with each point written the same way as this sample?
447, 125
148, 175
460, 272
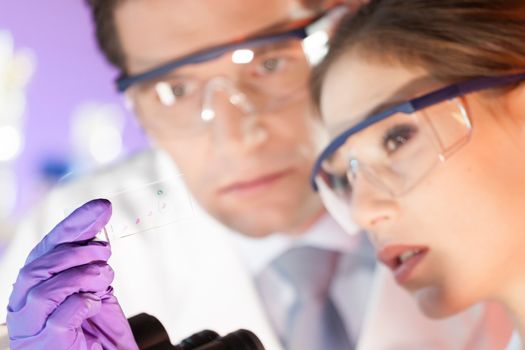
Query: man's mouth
254, 184
402, 259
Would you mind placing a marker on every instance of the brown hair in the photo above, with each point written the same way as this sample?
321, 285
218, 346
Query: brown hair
106, 33
454, 40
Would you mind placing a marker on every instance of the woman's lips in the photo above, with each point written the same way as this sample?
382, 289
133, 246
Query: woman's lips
255, 184
402, 259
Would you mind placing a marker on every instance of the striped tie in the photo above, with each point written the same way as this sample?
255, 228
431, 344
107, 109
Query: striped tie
313, 321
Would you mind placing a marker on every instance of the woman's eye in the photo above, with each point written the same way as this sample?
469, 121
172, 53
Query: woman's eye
339, 184
339, 181
398, 136
270, 65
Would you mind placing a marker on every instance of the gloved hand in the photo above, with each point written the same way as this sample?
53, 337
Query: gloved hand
62, 298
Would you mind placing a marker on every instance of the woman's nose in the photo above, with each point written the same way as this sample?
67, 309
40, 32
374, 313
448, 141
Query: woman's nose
372, 207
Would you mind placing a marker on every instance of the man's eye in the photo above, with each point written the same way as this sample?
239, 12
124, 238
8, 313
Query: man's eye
170, 93
179, 90
397, 136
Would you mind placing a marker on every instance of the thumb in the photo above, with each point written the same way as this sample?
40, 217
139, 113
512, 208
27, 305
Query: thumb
62, 330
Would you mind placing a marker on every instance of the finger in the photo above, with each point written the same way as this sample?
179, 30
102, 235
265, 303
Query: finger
60, 259
77, 309
74, 310
110, 320
63, 328
81, 225
45, 298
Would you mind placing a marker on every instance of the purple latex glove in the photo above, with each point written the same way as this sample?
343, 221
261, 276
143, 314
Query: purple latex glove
62, 298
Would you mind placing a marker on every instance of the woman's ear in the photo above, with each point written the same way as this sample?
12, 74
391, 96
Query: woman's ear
514, 110
515, 104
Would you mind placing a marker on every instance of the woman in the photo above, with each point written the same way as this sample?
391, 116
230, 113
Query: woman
425, 100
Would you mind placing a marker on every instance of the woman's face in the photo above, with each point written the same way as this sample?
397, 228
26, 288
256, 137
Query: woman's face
467, 213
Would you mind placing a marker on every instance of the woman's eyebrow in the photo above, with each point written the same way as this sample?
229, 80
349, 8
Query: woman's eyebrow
347, 124
279, 45
411, 89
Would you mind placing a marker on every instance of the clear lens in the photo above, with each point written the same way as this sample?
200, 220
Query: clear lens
393, 154
269, 77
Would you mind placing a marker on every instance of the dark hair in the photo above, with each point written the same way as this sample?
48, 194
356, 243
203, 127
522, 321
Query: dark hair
103, 13
454, 40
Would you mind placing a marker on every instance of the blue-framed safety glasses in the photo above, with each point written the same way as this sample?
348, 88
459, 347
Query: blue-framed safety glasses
394, 149
257, 76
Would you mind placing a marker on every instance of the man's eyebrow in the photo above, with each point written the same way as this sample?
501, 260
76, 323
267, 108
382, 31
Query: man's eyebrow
274, 28
283, 25
411, 89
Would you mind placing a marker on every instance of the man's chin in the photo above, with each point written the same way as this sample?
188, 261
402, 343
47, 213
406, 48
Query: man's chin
258, 228
292, 217
265, 223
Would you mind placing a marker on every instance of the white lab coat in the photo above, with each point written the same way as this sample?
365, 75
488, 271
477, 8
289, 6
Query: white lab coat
189, 275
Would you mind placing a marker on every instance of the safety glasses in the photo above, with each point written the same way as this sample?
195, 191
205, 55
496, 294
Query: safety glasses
257, 76
395, 149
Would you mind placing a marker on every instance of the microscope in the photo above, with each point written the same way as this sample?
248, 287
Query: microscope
150, 334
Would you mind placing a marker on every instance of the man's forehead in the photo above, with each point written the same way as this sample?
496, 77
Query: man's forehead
155, 31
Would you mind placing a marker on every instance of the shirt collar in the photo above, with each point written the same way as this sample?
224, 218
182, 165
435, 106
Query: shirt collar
258, 253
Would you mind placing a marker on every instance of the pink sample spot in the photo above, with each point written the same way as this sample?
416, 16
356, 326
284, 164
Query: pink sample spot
137, 221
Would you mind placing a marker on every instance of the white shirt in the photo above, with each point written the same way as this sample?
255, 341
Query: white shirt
191, 276
352, 283
515, 342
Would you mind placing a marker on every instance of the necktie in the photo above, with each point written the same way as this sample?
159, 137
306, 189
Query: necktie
313, 321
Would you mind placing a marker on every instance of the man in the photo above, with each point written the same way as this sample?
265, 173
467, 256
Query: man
236, 121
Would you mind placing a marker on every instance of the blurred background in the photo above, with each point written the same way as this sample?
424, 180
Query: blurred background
59, 111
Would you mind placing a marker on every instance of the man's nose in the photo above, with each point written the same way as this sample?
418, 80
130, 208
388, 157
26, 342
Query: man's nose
234, 121
372, 207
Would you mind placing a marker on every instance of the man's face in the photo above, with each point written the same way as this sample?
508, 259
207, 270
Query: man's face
251, 173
